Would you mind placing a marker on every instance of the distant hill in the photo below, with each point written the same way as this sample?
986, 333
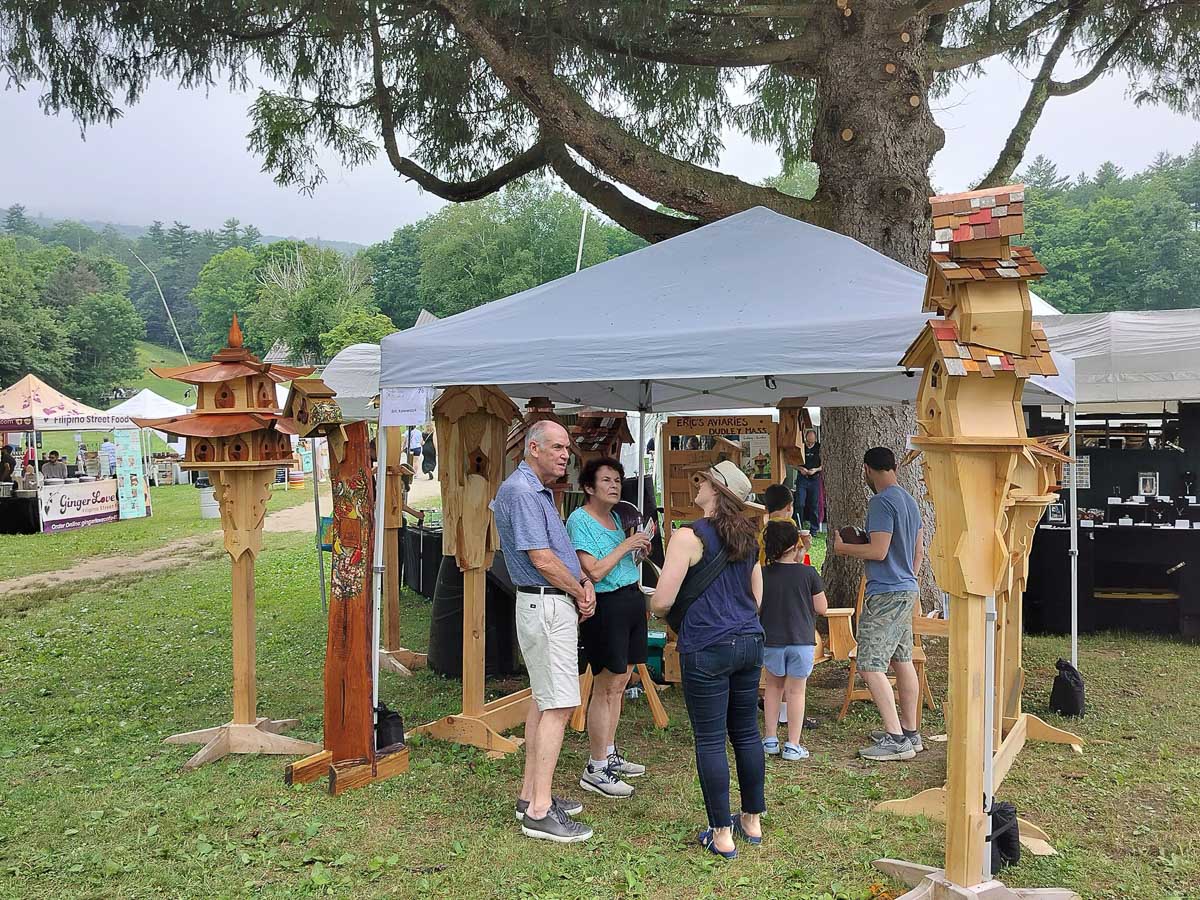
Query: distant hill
161, 357
348, 248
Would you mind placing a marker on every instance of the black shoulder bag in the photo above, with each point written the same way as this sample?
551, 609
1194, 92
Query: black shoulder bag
695, 583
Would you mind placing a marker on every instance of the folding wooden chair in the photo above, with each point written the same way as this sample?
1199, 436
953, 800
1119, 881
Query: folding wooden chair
842, 622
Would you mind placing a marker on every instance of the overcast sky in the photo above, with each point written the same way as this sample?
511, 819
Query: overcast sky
182, 155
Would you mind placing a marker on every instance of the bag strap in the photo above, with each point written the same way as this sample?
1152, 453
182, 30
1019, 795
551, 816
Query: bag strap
697, 583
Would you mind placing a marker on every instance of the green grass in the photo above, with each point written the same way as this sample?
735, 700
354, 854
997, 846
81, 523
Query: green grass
176, 517
154, 355
94, 805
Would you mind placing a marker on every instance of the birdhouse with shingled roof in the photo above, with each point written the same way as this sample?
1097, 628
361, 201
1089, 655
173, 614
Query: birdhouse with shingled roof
237, 422
599, 433
978, 283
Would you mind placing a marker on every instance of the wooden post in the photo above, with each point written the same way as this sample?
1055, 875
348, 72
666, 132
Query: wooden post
966, 824
474, 601
245, 692
391, 546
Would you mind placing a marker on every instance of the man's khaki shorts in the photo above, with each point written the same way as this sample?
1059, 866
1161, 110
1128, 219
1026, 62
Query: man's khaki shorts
548, 632
885, 630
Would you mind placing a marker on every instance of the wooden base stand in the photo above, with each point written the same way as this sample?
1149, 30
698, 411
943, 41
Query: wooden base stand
260, 737
641, 673
928, 883
485, 729
401, 661
931, 803
348, 774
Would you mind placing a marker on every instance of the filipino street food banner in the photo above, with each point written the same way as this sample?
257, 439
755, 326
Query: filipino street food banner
67, 506
133, 494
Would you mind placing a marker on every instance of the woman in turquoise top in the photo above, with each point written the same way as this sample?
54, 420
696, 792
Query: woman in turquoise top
614, 639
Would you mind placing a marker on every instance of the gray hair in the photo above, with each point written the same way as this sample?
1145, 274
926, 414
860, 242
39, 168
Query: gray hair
537, 433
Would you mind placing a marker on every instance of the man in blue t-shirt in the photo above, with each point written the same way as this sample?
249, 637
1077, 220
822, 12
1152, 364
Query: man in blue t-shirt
893, 558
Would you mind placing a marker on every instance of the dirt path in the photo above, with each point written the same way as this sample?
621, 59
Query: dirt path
181, 552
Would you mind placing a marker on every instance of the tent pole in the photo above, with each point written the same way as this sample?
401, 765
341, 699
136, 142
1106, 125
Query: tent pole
1074, 552
316, 458
377, 559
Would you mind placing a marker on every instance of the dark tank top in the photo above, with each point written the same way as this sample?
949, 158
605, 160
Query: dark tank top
727, 607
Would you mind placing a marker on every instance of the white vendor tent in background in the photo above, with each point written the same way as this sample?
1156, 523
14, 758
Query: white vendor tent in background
739, 313
354, 374
146, 404
1130, 357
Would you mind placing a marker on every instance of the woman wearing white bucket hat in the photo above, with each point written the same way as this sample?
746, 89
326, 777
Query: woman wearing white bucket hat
710, 591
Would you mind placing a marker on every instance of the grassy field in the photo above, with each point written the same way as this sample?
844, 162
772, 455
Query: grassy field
156, 356
94, 805
176, 516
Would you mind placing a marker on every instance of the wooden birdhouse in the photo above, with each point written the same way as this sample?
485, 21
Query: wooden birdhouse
473, 427
311, 404
541, 409
794, 420
237, 422
599, 433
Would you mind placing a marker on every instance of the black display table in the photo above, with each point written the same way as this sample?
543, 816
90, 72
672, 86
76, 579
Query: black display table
19, 515
1131, 577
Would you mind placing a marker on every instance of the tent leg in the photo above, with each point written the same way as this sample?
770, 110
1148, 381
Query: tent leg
317, 513
377, 561
1074, 551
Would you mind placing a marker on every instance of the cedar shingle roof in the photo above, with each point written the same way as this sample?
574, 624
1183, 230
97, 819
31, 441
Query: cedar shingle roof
1023, 265
979, 215
960, 358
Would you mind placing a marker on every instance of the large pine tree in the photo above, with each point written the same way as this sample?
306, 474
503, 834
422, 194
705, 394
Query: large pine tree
623, 92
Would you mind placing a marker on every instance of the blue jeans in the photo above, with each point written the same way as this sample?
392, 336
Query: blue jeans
720, 688
804, 501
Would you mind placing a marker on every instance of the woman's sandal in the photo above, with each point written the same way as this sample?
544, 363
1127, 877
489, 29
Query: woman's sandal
706, 841
739, 831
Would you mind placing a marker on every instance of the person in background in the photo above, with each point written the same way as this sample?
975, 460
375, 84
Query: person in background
428, 455
614, 639
81, 460
108, 457
720, 652
808, 483
416, 440
793, 596
893, 559
778, 501
54, 467
8, 464
552, 596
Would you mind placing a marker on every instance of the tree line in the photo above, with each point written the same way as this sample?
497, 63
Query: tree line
78, 299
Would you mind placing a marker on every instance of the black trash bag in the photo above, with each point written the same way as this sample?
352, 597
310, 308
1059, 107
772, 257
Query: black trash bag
389, 729
1066, 697
1005, 837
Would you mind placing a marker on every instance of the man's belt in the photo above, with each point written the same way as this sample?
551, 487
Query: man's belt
540, 589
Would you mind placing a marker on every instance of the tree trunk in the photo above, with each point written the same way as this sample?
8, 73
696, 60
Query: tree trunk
874, 141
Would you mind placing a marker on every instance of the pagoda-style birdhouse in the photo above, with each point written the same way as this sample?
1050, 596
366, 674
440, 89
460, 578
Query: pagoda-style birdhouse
599, 433
237, 433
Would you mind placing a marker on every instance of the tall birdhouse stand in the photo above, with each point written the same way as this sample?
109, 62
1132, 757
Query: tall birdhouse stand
473, 426
354, 754
234, 434
989, 483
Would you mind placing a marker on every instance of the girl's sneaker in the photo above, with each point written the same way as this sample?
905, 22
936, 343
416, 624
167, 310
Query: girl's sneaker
771, 746
794, 752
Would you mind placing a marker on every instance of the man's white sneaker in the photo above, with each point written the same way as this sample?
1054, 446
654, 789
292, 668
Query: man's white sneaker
604, 781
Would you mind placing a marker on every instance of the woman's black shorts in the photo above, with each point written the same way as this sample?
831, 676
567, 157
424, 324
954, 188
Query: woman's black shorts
615, 637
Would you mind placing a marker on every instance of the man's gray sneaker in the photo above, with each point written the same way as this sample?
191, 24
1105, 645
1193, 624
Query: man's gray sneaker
888, 749
570, 807
604, 781
914, 739
623, 767
557, 827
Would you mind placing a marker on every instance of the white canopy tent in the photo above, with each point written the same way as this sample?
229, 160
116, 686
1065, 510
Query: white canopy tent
146, 404
739, 313
1131, 357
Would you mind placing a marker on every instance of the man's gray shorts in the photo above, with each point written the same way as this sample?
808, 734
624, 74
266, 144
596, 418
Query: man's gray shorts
885, 630
548, 632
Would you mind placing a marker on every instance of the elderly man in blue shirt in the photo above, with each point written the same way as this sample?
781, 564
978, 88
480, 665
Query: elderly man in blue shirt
552, 596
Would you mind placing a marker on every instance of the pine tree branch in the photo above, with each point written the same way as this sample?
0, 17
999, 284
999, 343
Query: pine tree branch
926, 8
946, 58
798, 10
457, 192
1065, 88
625, 211
795, 51
1039, 92
693, 190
